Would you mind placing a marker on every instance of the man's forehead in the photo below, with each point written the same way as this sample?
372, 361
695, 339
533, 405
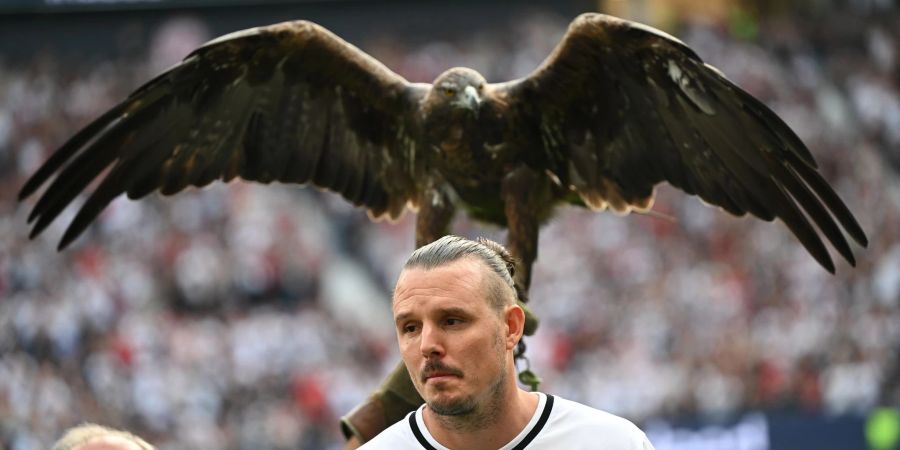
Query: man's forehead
460, 277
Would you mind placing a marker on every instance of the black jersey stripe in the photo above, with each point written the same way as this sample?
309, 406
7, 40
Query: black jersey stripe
417, 433
545, 414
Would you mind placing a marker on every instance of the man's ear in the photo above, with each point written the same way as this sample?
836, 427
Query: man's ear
515, 325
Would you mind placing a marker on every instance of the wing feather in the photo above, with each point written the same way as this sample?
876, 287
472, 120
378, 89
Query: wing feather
835, 204
290, 103
71, 148
639, 107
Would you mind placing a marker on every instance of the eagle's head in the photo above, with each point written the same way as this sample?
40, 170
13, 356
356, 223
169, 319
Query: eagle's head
459, 88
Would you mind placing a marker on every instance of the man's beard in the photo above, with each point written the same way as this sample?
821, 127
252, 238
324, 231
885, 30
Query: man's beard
468, 405
466, 412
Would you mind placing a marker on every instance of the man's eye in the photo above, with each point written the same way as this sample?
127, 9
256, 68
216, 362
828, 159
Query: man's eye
453, 321
411, 328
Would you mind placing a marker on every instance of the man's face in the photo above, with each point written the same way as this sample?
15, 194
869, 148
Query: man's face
454, 345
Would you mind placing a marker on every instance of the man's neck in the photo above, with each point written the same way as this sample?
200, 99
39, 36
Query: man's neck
489, 428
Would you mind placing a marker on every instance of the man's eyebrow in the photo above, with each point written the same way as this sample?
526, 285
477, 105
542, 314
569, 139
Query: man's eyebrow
455, 311
402, 317
448, 311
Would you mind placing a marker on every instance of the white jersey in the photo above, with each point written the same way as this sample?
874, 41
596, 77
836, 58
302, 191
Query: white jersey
557, 423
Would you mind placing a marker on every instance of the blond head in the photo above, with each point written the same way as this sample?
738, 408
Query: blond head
91, 436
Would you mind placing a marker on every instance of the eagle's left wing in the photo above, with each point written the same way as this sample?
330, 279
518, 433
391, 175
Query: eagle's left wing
619, 107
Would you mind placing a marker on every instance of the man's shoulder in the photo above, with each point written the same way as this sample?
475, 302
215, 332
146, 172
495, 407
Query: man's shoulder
575, 422
581, 413
396, 436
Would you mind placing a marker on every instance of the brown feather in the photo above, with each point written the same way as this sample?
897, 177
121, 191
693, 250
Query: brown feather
657, 113
248, 104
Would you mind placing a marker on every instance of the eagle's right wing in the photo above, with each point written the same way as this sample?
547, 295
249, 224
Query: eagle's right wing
290, 102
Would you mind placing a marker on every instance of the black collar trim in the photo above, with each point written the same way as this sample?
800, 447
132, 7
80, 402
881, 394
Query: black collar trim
545, 415
415, 429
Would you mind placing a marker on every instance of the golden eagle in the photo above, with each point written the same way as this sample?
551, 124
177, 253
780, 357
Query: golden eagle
615, 109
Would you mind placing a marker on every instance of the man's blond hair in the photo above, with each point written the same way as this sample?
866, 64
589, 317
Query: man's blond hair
84, 433
501, 290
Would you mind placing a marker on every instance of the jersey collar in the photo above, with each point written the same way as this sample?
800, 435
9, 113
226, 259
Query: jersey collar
531, 430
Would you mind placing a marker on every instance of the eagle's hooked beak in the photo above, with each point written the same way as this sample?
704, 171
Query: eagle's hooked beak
472, 100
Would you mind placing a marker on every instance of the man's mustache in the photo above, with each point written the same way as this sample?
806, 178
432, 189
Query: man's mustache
433, 367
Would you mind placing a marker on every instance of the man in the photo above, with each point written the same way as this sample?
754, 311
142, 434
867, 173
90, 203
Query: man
458, 324
95, 437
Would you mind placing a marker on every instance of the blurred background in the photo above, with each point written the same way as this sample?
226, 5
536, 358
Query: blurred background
249, 316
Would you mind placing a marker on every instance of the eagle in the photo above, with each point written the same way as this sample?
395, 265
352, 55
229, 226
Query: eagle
617, 108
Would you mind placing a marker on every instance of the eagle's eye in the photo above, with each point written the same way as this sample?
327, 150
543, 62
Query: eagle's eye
449, 92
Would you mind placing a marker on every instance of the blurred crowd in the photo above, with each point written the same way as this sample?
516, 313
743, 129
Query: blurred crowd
249, 316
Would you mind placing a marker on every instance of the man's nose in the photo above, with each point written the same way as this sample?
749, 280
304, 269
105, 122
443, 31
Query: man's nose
432, 341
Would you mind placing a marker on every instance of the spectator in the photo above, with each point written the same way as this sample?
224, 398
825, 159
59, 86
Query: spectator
96, 437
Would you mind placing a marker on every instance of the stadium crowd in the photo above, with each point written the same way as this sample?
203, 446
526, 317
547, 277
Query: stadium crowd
248, 316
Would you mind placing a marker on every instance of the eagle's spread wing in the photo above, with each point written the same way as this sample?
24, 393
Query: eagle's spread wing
620, 106
290, 102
